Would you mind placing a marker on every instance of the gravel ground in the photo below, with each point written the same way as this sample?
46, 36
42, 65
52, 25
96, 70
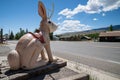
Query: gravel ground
4, 49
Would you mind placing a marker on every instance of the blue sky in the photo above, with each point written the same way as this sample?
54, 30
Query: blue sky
70, 15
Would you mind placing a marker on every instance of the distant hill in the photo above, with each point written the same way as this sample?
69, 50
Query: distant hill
115, 28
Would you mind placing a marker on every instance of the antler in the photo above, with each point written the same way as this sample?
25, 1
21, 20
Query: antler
52, 11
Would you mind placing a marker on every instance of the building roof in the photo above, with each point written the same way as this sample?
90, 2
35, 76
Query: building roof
110, 34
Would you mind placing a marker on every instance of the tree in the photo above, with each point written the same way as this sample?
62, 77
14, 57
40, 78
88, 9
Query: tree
11, 37
17, 36
93, 36
111, 28
26, 31
20, 33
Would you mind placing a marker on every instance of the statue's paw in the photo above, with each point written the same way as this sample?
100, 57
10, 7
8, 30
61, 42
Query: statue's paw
54, 60
44, 59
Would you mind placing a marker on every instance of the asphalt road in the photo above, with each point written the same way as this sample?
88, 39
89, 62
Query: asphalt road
102, 50
101, 55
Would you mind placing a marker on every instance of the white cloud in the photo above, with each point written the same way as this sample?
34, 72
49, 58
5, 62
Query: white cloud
71, 26
69, 13
103, 14
109, 5
95, 19
59, 18
92, 6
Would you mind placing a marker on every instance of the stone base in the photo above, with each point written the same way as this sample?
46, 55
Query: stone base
27, 74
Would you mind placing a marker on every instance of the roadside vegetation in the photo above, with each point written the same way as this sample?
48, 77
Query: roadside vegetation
93, 36
18, 35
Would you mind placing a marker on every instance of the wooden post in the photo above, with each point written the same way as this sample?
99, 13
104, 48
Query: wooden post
1, 35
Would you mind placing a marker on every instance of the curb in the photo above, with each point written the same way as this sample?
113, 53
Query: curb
94, 73
81, 76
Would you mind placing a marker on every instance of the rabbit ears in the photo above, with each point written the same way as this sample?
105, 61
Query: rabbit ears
42, 10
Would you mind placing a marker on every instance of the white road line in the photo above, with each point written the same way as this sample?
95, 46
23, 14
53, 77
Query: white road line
107, 46
105, 60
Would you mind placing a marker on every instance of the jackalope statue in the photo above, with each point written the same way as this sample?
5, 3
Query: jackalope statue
31, 45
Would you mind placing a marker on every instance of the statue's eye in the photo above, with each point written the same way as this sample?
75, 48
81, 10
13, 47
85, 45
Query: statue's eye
49, 22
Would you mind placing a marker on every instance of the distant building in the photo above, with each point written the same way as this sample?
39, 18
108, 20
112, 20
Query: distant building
74, 38
110, 36
6, 36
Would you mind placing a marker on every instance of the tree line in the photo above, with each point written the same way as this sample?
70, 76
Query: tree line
21, 32
18, 35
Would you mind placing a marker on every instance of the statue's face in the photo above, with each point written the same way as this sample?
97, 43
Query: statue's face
52, 26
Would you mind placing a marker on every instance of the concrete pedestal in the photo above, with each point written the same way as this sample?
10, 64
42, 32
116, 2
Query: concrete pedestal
27, 74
